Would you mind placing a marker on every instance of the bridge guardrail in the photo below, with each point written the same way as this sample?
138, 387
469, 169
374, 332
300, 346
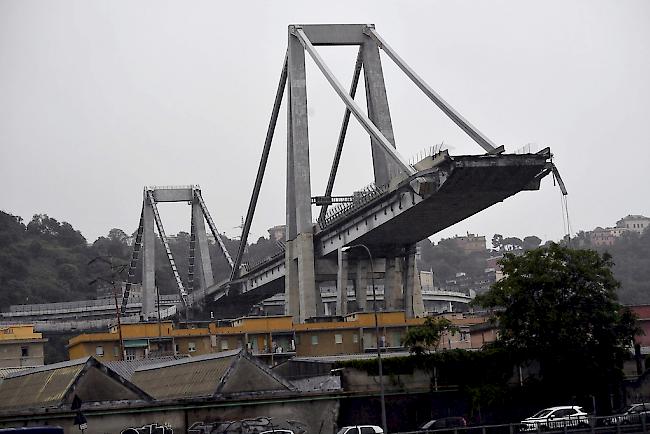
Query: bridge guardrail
361, 198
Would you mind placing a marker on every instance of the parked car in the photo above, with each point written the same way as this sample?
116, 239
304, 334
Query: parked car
444, 422
361, 429
556, 418
632, 414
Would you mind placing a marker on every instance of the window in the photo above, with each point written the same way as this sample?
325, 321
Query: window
314, 339
24, 351
338, 338
224, 345
191, 347
130, 354
367, 430
116, 351
355, 338
99, 350
176, 349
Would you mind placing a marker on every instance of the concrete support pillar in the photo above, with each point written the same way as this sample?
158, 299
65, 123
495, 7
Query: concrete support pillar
148, 261
202, 253
413, 302
393, 284
361, 285
301, 295
291, 287
342, 284
300, 277
378, 111
311, 303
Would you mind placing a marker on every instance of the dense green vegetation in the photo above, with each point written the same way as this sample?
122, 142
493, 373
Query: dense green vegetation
631, 258
45, 260
426, 337
41, 261
558, 306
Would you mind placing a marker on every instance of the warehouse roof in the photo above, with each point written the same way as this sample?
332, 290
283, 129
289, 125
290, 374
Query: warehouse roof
126, 368
56, 385
224, 373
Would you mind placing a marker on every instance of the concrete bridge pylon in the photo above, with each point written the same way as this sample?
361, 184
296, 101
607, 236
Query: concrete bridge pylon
302, 261
200, 274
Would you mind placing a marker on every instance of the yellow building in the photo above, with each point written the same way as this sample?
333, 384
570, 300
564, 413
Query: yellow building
141, 340
278, 336
272, 338
20, 346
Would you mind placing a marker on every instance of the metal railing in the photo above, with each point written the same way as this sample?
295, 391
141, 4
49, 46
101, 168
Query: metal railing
361, 199
593, 424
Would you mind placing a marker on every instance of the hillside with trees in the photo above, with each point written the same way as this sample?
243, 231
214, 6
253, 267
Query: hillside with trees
45, 260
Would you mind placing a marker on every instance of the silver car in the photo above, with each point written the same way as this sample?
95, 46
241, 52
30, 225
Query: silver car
556, 418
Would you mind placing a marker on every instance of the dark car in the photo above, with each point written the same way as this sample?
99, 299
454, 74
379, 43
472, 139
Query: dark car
443, 423
33, 430
631, 414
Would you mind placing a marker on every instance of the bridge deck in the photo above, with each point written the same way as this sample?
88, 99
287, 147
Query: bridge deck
464, 186
475, 183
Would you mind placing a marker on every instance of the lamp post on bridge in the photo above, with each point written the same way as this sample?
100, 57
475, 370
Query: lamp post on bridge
374, 308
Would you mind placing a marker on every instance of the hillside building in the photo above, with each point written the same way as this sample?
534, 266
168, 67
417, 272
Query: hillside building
635, 223
606, 236
469, 243
20, 346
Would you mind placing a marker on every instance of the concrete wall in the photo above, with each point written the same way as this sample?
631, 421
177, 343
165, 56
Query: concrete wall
201, 345
317, 413
326, 342
11, 353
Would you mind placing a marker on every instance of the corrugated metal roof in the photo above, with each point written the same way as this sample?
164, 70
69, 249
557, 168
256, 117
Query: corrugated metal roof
193, 359
38, 388
4, 372
52, 385
183, 378
126, 368
53, 366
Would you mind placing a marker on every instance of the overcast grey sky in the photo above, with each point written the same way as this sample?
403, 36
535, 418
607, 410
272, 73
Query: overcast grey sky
100, 98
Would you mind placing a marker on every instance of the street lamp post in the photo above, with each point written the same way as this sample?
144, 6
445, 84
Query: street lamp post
374, 308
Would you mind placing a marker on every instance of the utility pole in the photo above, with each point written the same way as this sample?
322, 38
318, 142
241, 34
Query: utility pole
116, 270
382, 397
119, 322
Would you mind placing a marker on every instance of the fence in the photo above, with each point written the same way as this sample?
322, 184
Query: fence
600, 424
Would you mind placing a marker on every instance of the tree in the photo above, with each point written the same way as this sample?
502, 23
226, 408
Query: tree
512, 243
497, 241
117, 235
427, 337
531, 242
558, 306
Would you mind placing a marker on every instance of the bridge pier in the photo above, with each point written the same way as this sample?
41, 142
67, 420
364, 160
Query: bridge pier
342, 284
393, 281
302, 296
148, 260
361, 285
206, 278
413, 302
